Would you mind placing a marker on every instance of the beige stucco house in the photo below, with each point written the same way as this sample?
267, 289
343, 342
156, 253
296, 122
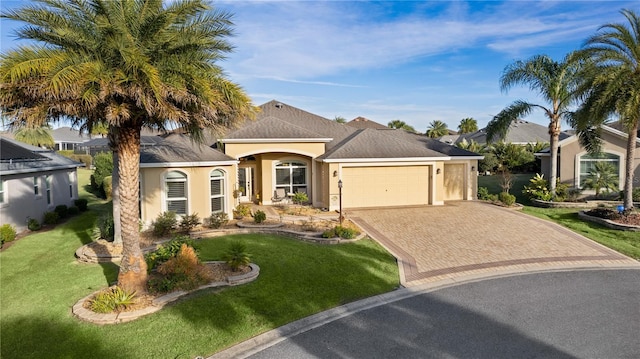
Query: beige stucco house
574, 162
288, 150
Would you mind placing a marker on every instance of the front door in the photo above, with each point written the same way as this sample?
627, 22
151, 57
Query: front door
245, 184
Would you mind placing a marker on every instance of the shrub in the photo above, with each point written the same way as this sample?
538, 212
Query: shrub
82, 204
506, 198
51, 218
183, 271
300, 198
107, 186
635, 194
537, 189
73, 210
7, 233
237, 256
242, 210
103, 163
85, 159
189, 222
106, 227
33, 225
217, 220
112, 299
167, 250
483, 193
164, 224
573, 194
259, 216
562, 191
62, 211
340, 231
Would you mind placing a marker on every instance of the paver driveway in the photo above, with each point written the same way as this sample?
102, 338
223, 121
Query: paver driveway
466, 239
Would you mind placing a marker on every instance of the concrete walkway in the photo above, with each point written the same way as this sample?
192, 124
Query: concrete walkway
466, 240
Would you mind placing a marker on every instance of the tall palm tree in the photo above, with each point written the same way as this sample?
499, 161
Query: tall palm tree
613, 88
130, 64
40, 136
467, 125
401, 125
556, 83
437, 129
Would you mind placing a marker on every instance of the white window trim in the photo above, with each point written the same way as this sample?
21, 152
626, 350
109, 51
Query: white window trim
621, 159
37, 182
72, 178
307, 175
48, 186
5, 192
224, 179
164, 190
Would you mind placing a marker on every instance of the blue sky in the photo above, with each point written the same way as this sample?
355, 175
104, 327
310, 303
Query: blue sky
387, 60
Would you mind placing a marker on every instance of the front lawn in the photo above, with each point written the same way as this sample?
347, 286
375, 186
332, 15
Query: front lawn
625, 242
41, 280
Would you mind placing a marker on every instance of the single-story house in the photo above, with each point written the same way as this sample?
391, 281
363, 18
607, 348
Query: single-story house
288, 150
67, 138
520, 132
574, 162
33, 181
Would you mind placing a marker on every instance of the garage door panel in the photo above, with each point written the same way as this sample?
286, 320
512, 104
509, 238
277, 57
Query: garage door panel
454, 182
385, 186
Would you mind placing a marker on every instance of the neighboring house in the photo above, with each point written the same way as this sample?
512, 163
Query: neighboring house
520, 133
101, 144
362, 122
288, 150
574, 163
66, 138
33, 181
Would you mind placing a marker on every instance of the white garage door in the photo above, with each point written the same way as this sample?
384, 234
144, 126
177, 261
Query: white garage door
385, 186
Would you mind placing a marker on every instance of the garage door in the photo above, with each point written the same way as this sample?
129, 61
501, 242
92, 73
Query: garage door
454, 182
385, 186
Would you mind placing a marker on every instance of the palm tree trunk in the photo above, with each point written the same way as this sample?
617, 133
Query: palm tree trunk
133, 268
554, 138
628, 178
115, 199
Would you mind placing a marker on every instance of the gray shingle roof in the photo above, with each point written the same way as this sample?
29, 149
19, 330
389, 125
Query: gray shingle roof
362, 122
67, 134
433, 144
519, 132
18, 157
178, 148
272, 128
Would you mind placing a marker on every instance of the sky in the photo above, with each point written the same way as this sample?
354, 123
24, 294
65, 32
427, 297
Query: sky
414, 61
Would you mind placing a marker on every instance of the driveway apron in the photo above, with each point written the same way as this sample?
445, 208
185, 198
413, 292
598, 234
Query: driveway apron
464, 240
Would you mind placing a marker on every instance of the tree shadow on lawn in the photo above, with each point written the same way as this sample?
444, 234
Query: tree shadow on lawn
35, 337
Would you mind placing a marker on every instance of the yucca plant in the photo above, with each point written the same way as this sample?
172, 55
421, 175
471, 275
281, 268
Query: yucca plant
237, 256
112, 299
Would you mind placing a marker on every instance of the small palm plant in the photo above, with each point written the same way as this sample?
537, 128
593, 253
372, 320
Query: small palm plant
603, 175
237, 256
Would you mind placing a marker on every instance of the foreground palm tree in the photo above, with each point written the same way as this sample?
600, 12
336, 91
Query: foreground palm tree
556, 83
613, 87
437, 129
129, 64
467, 125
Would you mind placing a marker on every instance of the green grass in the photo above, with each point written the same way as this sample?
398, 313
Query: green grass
492, 183
41, 280
625, 242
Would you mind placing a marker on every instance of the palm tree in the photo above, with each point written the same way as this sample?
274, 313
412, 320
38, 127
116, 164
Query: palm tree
556, 83
130, 64
467, 125
340, 119
613, 87
401, 125
603, 175
437, 129
40, 136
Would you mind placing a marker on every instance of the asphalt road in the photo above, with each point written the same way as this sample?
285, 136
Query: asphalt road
576, 314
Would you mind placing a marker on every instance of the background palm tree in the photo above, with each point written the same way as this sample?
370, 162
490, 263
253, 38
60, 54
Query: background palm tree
602, 176
130, 64
340, 119
555, 82
401, 125
467, 125
437, 129
40, 136
612, 87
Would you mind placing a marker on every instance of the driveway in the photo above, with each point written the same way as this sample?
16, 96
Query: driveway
466, 240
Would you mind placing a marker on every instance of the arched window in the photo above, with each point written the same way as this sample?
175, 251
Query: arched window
175, 184
216, 186
292, 176
588, 163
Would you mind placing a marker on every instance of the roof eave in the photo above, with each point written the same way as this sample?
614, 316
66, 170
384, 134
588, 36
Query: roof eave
188, 164
276, 140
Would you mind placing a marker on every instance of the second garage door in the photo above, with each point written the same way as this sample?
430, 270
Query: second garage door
385, 186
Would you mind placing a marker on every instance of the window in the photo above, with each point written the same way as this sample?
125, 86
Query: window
71, 180
292, 176
47, 182
588, 163
3, 190
36, 186
176, 192
217, 191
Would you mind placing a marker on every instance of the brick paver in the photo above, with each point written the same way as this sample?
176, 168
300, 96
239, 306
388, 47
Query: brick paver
463, 239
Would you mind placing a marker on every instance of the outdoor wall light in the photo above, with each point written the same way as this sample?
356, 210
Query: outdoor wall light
438, 171
335, 173
473, 168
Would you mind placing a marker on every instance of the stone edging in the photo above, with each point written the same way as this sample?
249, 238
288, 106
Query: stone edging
587, 204
314, 237
114, 318
608, 223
